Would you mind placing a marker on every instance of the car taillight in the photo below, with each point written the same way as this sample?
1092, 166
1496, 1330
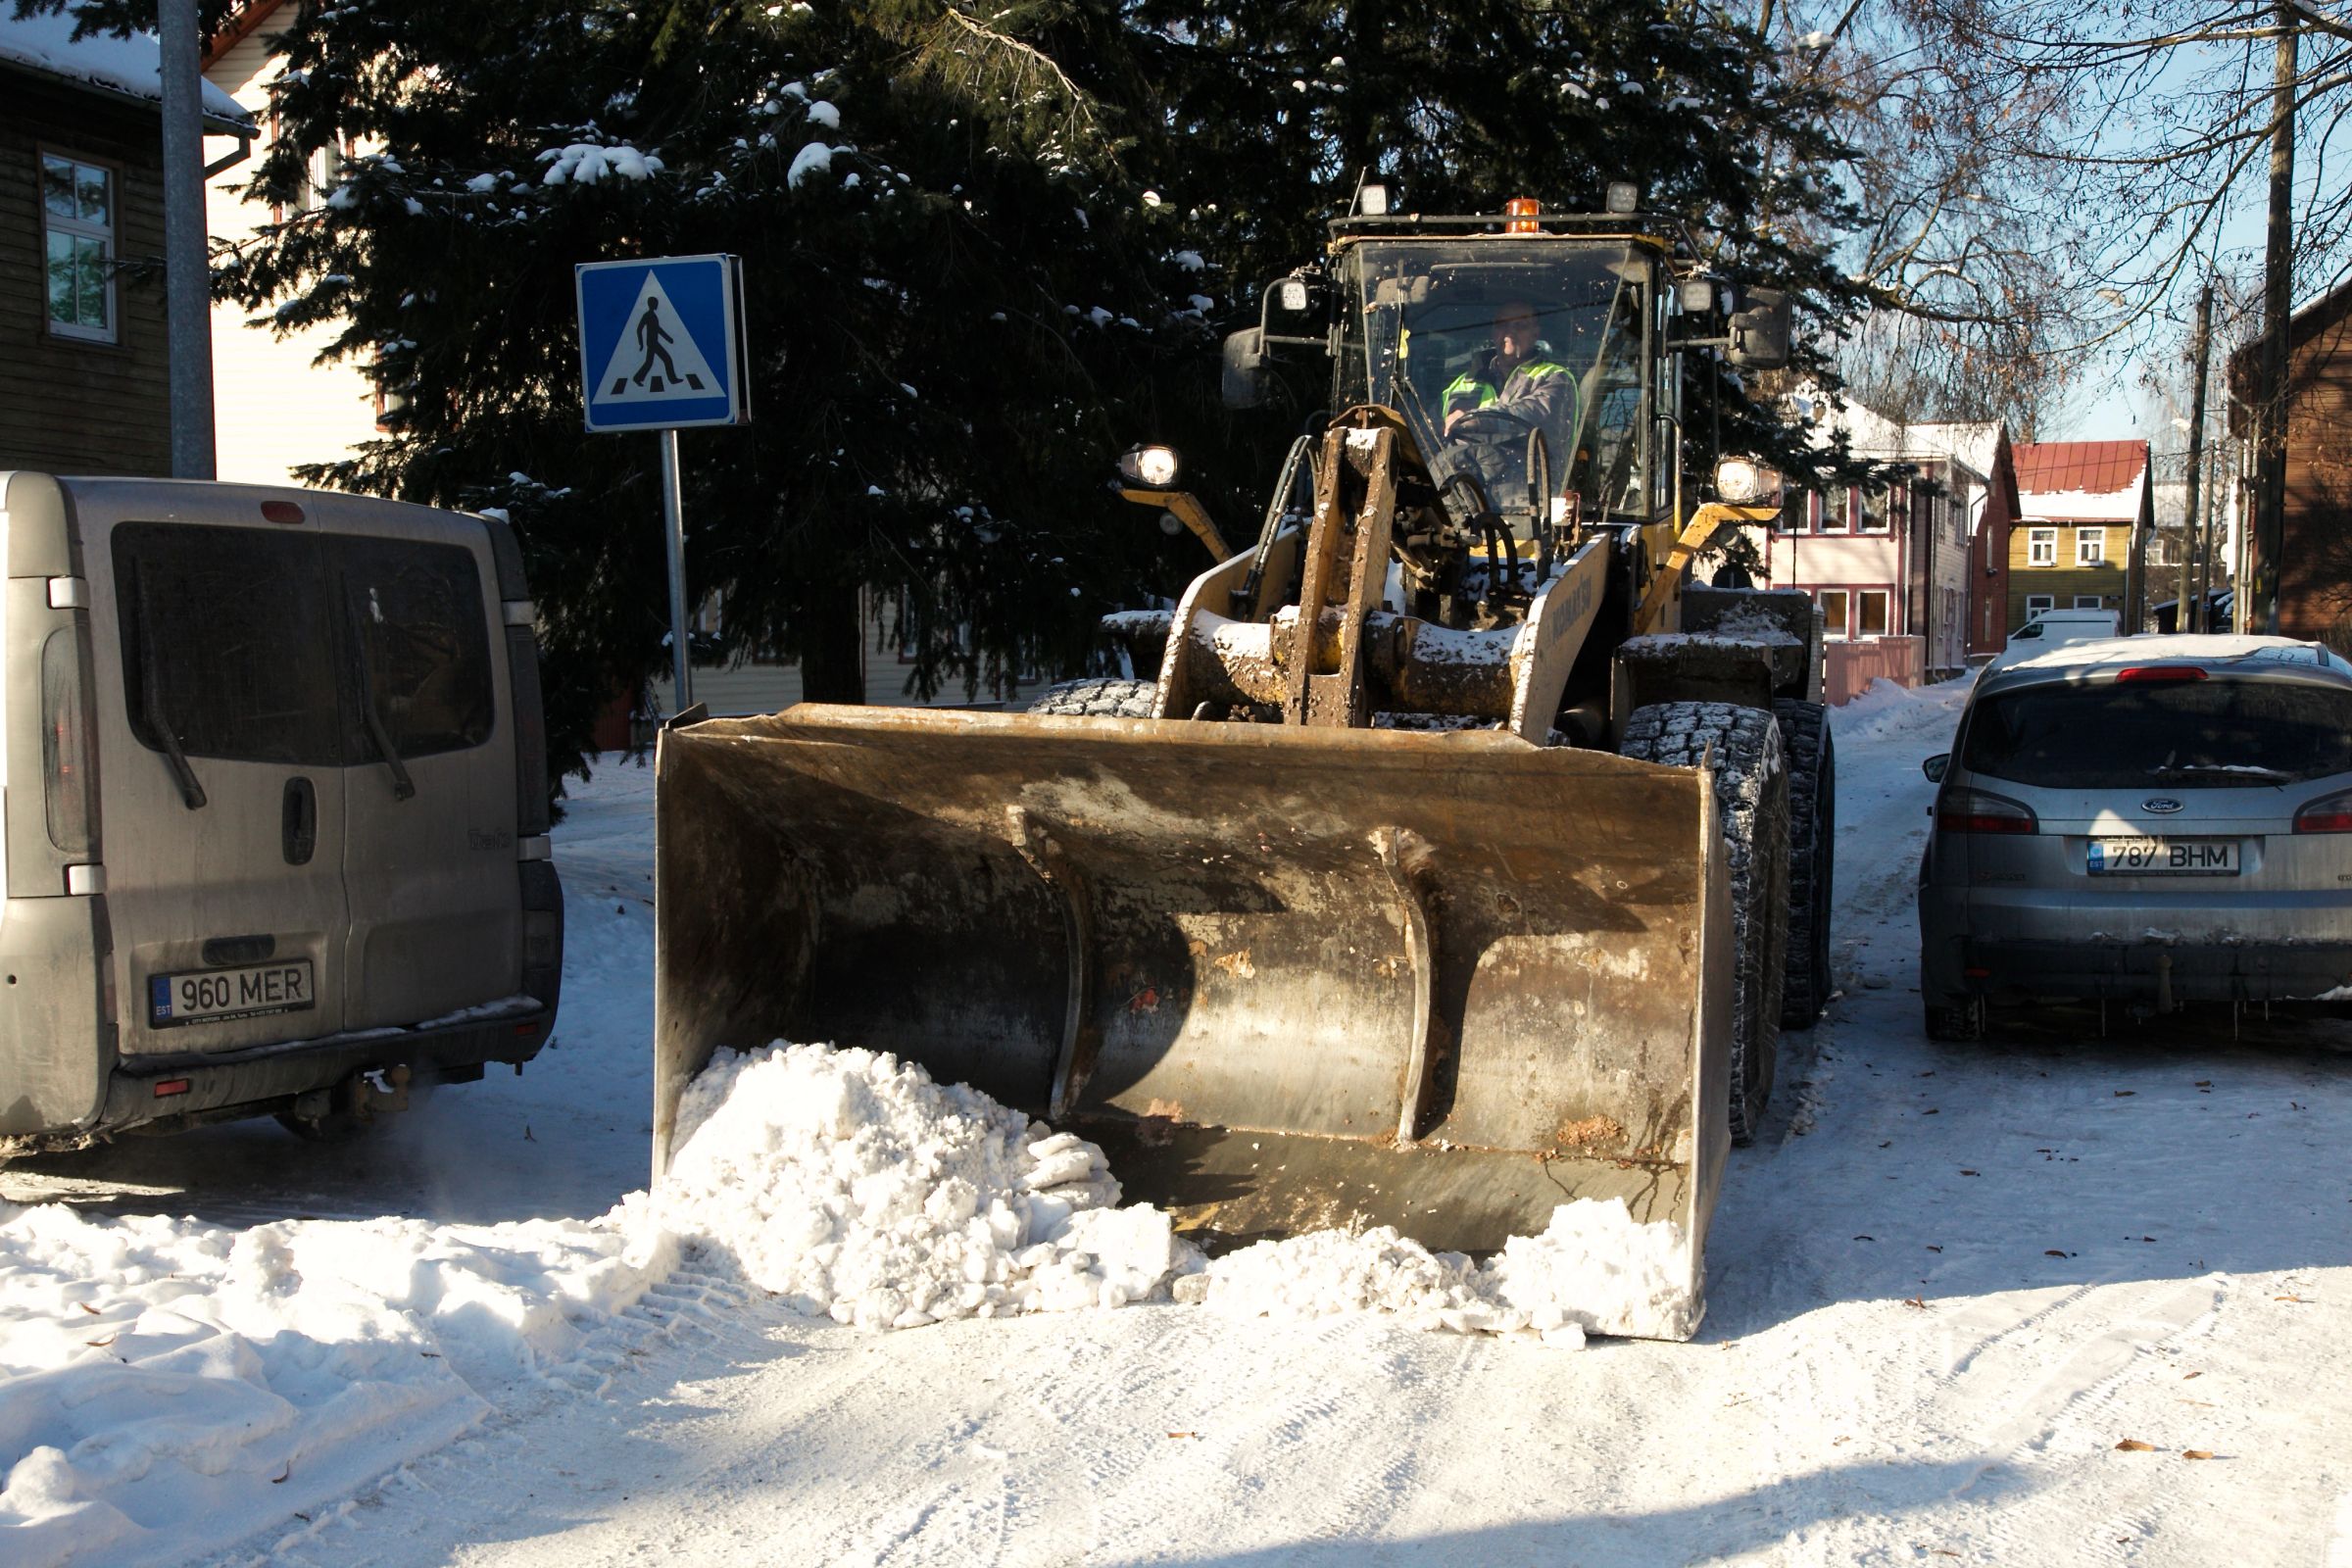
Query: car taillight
69, 773
2160, 672
1976, 811
2329, 813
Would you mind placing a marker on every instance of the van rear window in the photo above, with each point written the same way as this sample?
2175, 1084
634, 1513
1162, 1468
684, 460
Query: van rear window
261, 646
230, 639
2195, 734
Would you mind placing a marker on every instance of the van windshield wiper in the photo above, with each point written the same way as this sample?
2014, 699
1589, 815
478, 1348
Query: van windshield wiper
151, 704
403, 787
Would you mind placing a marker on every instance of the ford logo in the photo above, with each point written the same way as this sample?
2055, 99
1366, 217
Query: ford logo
2161, 805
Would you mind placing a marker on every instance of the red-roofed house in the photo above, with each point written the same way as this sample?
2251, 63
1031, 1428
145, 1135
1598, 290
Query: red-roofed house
2085, 512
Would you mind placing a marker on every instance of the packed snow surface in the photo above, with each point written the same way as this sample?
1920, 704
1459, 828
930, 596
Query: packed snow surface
2065, 1297
162, 1380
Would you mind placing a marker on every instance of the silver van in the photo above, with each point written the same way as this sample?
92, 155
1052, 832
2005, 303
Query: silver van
2154, 821
275, 807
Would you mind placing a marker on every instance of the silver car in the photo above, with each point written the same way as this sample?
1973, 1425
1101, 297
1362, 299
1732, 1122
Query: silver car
2152, 820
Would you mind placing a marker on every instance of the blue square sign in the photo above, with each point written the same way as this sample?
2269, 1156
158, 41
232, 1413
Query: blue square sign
662, 343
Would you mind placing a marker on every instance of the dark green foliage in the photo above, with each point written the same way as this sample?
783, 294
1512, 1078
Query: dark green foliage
1036, 224
943, 321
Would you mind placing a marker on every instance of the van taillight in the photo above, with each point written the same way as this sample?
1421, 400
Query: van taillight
1965, 810
2329, 813
69, 761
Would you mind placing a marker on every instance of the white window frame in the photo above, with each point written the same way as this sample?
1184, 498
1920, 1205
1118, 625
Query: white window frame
78, 227
1844, 515
1885, 599
1837, 627
2090, 602
2090, 546
2041, 547
2036, 604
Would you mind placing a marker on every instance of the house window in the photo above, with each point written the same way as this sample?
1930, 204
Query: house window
1873, 510
2041, 547
2090, 546
1832, 612
78, 217
1796, 512
2036, 604
1836, 508
1872, 621
2089, 602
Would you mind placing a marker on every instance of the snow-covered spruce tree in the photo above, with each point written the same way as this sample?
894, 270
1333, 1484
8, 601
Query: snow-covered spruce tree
1277, 109
952, 293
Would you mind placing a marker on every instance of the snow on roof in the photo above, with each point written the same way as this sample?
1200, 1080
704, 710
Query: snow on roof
131, 66
1972, 445
2086, 479
2205, 647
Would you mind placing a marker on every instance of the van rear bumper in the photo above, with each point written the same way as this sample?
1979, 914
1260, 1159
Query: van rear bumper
249, 1081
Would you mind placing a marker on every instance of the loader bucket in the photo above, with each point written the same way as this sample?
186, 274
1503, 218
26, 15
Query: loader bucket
1289, 979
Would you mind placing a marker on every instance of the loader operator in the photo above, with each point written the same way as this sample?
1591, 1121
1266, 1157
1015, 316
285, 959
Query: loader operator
1518, 379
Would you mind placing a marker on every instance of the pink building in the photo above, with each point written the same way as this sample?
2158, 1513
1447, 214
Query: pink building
1889, 563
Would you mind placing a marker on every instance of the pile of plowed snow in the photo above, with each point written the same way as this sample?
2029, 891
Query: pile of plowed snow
855, 1186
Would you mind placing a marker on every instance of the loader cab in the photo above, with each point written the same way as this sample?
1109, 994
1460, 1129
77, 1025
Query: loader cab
1417, 331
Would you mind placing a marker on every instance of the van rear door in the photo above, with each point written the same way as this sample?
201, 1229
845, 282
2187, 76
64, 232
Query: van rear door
221, 774
430, 796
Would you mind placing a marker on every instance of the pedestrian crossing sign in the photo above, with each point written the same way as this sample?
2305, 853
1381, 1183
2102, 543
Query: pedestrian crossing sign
662, 343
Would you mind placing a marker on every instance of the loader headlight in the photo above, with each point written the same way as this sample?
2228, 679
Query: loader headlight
1747, 481
1150, 468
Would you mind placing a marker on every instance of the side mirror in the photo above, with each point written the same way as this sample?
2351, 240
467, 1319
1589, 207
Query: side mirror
1760, 330
1936, 766
1244, 384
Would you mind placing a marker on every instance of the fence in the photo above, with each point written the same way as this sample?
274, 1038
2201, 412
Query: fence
1847, 668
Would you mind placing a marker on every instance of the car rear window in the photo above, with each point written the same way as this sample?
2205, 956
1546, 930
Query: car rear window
2188, 734
261, 646
229, 638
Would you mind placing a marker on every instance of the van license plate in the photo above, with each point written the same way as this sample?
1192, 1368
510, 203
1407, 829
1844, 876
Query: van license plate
2151, 857
211, 996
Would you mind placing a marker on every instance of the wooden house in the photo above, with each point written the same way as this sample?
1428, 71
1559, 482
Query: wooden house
85, 360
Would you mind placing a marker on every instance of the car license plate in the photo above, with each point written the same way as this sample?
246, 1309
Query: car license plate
211, 996
2152, 857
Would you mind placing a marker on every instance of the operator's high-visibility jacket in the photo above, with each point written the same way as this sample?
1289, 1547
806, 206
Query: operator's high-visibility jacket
1540, 391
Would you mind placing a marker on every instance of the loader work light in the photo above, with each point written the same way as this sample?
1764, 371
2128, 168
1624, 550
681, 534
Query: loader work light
1149, 467
1522, 212
1624, 196
1746, 481
1372, 201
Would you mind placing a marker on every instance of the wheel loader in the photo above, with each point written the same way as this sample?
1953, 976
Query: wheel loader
1442, 874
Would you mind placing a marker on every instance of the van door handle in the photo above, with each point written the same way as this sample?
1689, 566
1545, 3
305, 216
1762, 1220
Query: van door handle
301, 819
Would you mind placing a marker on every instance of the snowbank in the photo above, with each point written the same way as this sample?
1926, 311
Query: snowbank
1887, 708
168, 1387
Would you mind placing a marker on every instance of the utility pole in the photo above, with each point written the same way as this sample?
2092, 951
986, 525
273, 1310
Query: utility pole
187, 263
2200, 351
2277, 290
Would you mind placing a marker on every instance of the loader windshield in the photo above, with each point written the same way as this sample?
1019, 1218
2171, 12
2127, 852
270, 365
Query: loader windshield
1480, 342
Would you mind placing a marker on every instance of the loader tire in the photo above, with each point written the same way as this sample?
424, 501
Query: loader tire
1751, 801
1097, 698
1812, 845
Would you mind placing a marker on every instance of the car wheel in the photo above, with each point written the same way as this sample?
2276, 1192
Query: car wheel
1957, 1023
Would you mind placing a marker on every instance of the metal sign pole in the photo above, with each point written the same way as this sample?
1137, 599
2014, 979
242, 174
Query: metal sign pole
674, 518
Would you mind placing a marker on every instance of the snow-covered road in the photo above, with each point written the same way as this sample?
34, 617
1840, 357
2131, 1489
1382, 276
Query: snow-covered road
1945, 1285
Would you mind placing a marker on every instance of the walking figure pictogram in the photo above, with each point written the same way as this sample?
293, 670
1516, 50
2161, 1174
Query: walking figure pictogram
653, 338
